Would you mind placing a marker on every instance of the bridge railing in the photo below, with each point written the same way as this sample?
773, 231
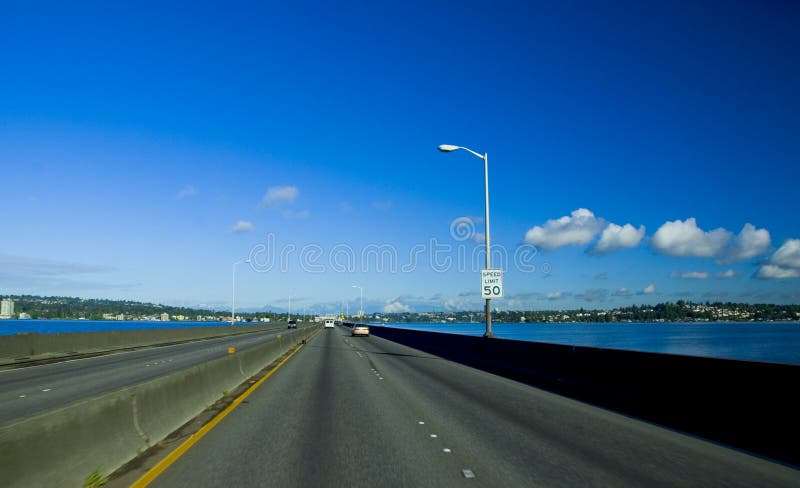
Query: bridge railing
748, 405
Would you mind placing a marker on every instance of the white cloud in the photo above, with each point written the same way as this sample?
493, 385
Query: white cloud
580, 228
593, 295
622, 292
616, 237
279, 195
452, 304
784, 263
241, 227
300, 215
396, 307
685, 239
649, 289
726, 275
186, 191
18, 266
774, 272
695, 275
749, 243
788, 255
555, 295
29, 275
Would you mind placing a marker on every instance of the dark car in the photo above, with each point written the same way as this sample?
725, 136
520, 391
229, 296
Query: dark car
292, 324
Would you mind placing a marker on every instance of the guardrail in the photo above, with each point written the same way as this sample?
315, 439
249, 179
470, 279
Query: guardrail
748, 405
61, 447
18, 348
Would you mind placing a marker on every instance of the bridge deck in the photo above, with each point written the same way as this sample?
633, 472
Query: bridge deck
368, 412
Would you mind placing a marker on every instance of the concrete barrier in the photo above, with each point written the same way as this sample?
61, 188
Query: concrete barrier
39, 346
62, 447
57, 449
748, 405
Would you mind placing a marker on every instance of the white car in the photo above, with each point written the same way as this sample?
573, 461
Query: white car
329, 324
361, 330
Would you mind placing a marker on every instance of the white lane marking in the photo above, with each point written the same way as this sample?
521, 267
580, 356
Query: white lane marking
446, 450
47, 389
22, 396
434, 436
468, 473
380, 377
421, 422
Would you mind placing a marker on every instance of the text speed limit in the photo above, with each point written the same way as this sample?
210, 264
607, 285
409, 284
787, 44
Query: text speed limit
491, 283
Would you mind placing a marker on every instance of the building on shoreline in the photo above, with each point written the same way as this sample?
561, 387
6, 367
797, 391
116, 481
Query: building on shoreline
7, 308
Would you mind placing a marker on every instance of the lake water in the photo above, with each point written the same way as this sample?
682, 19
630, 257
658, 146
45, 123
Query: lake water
777, 342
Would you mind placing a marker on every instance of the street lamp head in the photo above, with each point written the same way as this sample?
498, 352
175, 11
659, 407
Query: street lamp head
448, 148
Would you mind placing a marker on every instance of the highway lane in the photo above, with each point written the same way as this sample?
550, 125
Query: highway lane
368, 412
28, 391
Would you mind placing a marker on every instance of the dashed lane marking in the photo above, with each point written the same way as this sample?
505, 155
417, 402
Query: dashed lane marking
434, 436
468, 473
46, 390
446, 450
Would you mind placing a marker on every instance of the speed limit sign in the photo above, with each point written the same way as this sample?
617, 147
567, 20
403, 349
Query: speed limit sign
491, 283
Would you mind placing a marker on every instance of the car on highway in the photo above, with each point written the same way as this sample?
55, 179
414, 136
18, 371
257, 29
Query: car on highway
329, 324
361, 330
292, 324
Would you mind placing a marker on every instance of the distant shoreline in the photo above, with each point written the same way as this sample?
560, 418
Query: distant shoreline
68, 308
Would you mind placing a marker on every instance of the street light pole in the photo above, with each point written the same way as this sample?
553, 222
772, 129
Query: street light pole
488, 332
233, 298
361, 312
485, 157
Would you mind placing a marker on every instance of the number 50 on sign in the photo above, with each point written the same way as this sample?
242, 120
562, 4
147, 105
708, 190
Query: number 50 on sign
491, 283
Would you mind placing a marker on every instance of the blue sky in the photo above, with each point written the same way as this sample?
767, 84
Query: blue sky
637, 153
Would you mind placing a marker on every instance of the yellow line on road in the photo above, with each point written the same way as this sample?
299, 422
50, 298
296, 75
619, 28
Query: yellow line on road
165, 463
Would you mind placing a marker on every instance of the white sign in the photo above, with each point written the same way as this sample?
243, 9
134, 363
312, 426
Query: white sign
491, 283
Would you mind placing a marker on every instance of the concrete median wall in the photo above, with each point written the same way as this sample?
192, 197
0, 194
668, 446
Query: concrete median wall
32, 345
62, 447
748, 405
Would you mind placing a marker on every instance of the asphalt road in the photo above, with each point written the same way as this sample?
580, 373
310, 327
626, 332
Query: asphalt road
27, 391
352, 412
